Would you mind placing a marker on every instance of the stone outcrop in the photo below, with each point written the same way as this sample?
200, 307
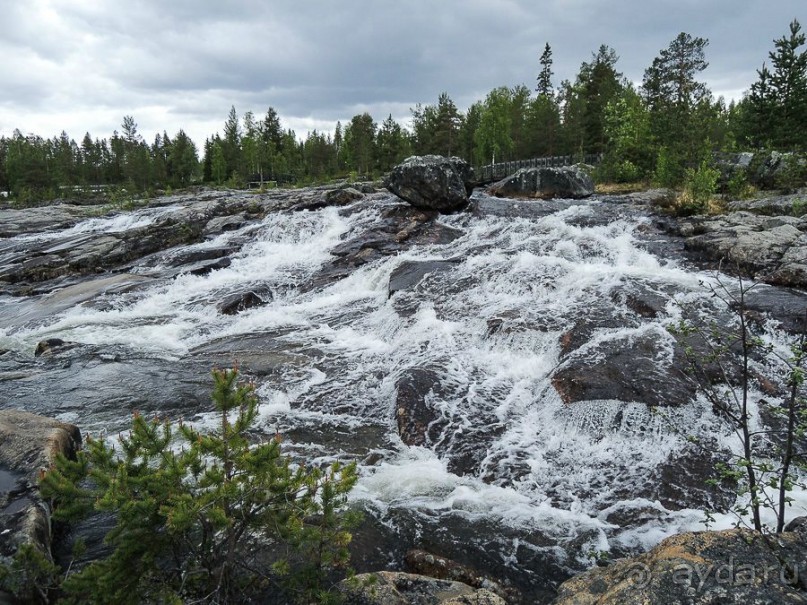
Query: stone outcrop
545, 183
29, 444
729, 567
763, 169
432, 182
428, 564
772, 249
398, 588
401, 228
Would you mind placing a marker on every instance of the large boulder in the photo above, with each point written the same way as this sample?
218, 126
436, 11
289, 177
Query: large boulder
733, 566
545, 183
432, 182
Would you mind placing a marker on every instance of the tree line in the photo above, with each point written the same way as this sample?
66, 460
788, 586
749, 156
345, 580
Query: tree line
668, 124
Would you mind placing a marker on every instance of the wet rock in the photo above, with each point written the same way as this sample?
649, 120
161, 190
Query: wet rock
736, 566
409, 273
51, 345
415, 416
398, 588
37, 260
528, 575
221, 224
428, 564
257, 354
193, 255
786, 306
29, 444
241, 301
15, 222
111, 380
400, 227
683, 481
625, 368
545, 183
432, 182
333, 197
206, 266
342, 197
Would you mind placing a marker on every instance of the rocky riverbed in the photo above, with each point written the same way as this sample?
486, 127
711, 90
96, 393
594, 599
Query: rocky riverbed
497, 371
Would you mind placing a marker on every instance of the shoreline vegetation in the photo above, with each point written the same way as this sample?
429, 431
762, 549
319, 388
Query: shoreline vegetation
665, 132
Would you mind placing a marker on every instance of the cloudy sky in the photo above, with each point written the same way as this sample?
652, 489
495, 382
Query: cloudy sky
81, 65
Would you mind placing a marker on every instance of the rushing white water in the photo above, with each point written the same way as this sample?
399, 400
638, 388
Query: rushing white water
541, 463
117, 223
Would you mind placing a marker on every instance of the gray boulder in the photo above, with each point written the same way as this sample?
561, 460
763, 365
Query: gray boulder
545, 183
432, 182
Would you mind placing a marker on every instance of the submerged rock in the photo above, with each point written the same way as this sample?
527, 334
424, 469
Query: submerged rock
432, 182
545, 183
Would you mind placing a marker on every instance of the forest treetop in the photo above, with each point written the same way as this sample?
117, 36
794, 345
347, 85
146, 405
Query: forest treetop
671, 116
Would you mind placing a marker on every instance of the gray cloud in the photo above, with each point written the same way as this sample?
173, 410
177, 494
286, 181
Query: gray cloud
81, 65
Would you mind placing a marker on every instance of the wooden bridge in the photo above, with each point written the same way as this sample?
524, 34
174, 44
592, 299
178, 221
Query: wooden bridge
495, 172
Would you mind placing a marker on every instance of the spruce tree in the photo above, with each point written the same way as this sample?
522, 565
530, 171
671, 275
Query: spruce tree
544, 86
788, 83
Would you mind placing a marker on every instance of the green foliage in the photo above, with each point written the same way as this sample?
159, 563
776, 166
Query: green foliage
700, 186
493, 137
668, 169
30, 575
737, 186
800, 207
792, 174
192, 510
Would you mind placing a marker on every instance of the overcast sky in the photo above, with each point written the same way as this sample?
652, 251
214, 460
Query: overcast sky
81, 65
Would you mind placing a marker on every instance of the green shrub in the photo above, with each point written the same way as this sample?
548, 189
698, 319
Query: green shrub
618, 171
699, 188
193, 509
29, 575
668, 169
793, 173
738, 186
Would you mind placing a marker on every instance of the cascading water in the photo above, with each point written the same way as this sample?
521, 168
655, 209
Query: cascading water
501, 452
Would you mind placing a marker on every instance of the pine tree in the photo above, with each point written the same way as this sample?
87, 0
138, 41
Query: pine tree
191, 507
676, 101
446, 126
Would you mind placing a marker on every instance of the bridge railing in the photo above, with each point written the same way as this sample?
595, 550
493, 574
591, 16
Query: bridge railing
494, 172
